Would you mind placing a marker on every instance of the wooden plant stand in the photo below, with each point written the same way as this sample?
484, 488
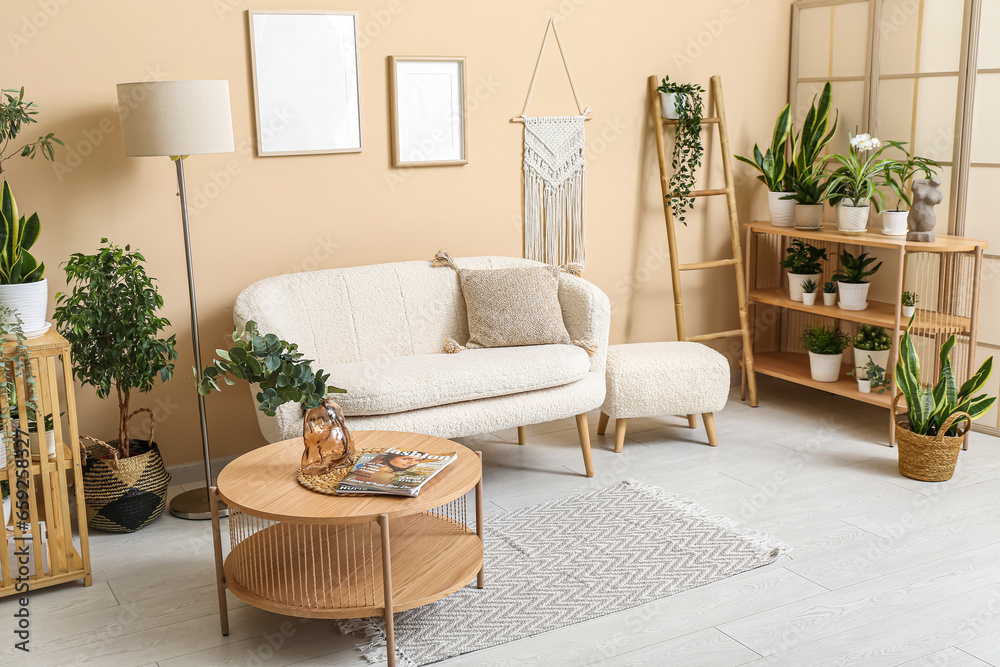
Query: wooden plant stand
53, 556
301, 553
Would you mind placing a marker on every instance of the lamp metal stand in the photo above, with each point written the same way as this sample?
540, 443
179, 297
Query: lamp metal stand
194, 504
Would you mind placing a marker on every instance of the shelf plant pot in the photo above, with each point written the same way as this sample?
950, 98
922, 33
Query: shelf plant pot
929, 458
825, 367
795, 281
809, 298
829, 298
50, 442
29, 300
865, 386
809, 216
782, 210
908, 311
894, 223
880, 357
668, 105
852, 219
853, 296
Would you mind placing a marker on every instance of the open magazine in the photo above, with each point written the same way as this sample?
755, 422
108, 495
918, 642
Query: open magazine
394, 472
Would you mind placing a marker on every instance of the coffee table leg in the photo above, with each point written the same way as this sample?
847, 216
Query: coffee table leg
481, 579
220, 576
390, 637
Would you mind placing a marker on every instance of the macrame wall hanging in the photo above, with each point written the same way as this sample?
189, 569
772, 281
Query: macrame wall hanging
555, 177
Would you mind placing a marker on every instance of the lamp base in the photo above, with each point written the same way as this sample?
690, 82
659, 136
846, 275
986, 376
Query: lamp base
194, 505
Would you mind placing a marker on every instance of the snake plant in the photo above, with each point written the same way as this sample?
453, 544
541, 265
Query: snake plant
17, 235
807, 148
929, 408
772, 163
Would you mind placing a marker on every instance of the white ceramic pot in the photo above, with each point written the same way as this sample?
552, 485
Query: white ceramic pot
808, 216
825, 367
50, 441
880, 357
852, 219
894, 223
865, 386
809, 298
853, 296
29, 300
795, 281
668, 105
908, 311
829, 298
6, 510
782, 210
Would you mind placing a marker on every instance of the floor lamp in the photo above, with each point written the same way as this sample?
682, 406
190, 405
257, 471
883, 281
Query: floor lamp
177, 119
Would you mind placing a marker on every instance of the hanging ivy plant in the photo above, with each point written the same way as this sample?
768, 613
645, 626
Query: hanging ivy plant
687, 143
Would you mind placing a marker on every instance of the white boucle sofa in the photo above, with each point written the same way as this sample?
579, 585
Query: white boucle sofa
379, 330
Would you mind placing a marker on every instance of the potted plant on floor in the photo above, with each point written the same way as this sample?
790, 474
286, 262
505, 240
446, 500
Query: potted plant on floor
870, 377
682, 102
803, 262
829, 293
898, 176
825, 346
110, 318
853, 186
851, 280
872, 342
931, 431
807, 164
909, 303
774, 172
809, 288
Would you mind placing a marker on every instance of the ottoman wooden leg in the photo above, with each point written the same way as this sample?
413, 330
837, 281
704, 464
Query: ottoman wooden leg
602, 424
522, 435
710, 428
582, 429
620, 425
692, 421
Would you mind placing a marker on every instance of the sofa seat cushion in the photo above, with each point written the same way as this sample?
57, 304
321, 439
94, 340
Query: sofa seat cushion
398, 384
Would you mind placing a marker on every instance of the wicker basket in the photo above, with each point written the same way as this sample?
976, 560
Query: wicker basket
124, 495
925, 457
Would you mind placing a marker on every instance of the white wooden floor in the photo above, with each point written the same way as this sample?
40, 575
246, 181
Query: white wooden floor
884, 570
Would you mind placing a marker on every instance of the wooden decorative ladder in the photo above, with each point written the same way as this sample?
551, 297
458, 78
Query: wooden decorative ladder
749, 380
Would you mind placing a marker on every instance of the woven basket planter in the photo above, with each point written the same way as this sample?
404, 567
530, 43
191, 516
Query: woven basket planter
929, 458
124, 495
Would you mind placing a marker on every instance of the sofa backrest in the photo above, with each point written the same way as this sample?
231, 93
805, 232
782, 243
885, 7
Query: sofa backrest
364, 312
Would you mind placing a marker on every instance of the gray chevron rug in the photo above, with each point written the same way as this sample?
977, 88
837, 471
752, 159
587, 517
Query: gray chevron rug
571, 560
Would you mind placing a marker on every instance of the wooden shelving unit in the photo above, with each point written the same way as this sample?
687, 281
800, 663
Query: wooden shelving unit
947, 272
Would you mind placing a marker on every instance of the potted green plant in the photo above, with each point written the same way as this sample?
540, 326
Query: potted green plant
809, 288
829, 293
803, 262
853, 186
808, 181
774, 172
682, 102
898, 176
111, 319
909, 302
870, 377
851, 279
930, 433
873, 342
825, 346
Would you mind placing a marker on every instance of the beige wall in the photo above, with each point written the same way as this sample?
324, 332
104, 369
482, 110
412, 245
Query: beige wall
257, 217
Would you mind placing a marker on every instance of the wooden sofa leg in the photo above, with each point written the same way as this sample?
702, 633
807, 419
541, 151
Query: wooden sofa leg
583, 429
602, 424
709, 419
692, 421
522, 435
620, 425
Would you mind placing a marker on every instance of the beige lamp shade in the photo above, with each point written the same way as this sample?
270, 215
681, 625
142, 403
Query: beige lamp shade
175, 117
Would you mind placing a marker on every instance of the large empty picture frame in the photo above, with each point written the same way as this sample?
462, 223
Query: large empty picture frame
305, 80
428, 111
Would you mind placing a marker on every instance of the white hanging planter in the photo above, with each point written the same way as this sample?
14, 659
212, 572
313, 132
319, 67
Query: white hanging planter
29, 301
852, 219
908, 311
864, 386
829, 298
853, 296
809, 298
825, 367
894, 223
50, 441
880, 357
809, 216
795, 281
668, 105
782, 210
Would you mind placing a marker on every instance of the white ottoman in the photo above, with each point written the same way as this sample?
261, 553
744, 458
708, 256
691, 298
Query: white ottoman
650, 379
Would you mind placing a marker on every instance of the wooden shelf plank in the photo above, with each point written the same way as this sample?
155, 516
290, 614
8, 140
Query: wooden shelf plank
878, 312
875, 239
794, 367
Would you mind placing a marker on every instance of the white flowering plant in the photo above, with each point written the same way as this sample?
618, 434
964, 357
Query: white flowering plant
859, 176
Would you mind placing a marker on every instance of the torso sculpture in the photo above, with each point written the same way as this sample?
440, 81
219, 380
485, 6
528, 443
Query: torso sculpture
922, 218
328, 443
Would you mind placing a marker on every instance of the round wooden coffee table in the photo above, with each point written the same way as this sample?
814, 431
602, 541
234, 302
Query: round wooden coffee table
302, 553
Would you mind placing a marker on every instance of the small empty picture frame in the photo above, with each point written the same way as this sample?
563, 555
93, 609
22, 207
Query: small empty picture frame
428, 111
